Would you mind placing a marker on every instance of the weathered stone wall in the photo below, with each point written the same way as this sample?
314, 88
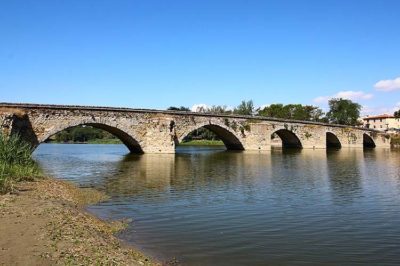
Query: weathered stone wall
152, 131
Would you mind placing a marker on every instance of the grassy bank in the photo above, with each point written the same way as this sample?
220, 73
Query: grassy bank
104, 141
93, 141
43, 221
202, 143
16, 163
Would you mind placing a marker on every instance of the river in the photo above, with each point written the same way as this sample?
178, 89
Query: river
208, 206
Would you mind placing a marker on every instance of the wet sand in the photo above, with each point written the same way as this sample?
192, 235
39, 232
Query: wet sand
44, 223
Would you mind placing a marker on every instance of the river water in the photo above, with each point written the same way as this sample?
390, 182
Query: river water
208, 206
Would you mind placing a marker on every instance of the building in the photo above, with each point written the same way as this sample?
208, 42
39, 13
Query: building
383, 122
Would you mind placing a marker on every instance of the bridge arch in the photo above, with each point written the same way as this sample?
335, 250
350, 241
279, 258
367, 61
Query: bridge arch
130, 141
227, 135
289, 139
332, 141
368, 142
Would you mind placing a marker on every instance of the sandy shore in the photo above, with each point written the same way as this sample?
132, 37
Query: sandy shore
45, 224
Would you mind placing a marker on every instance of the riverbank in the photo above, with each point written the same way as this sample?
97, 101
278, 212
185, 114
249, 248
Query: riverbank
202, 142
45, 223
92, 141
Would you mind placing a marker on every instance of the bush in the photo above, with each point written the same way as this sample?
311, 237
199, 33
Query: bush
395, 140
16, 163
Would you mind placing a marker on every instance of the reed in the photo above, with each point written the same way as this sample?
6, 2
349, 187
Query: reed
16, 163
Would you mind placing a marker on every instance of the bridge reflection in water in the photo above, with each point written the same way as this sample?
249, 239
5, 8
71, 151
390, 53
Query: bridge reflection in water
208, 206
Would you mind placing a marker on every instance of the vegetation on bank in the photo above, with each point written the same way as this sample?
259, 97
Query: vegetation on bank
84, 134
104, 141
16, 163
89, 141
395, 140
202, 142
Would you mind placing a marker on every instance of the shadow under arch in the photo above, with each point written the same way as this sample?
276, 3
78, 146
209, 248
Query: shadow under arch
332, 141
289, 139
229, 139
125, 138
368, 142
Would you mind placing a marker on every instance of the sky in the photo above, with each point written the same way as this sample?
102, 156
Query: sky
156, 54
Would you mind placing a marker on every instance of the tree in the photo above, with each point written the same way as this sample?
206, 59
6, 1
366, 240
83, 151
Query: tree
182, 108
343, 111
292, 111
201, 133
245, 108
82, 134
397, 114
219, 109
274, 110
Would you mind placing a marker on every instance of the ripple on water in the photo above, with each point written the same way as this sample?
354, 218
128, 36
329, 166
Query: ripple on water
208, 206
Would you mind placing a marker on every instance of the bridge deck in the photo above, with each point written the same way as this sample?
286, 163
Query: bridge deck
134, 110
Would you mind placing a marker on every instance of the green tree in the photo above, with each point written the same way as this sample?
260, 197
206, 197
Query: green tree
219, 109
274, 110
182, 108
201, 133
292, 111
245, 108
343, 111
397, 114
82, 134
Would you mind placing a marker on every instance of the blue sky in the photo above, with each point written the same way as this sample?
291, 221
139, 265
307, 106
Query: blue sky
155, 54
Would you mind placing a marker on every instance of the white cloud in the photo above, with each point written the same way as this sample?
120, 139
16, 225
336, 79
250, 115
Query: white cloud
230, 108
322, 99
263, 106
199, 107
388, 84
350, 95
367, 110
354, 95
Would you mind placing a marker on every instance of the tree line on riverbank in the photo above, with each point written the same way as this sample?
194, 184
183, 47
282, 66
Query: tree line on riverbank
84, 134
341, 111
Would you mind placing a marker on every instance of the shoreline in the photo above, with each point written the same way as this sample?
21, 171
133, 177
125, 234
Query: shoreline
188, 143
45, 223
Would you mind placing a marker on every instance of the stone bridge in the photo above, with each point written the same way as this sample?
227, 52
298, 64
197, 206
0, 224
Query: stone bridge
155, 131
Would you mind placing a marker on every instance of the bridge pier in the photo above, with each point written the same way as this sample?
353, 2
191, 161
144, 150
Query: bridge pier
259, 139
159, 136
14, 121
349, 138
312, 137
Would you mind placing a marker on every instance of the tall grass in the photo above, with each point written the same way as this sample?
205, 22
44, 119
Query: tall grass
16, 163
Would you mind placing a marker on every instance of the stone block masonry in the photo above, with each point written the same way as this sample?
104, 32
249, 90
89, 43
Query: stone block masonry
156, 131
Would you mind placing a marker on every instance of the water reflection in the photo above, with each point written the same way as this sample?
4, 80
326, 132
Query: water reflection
343, 169
136, 172
185, 171
213, 207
